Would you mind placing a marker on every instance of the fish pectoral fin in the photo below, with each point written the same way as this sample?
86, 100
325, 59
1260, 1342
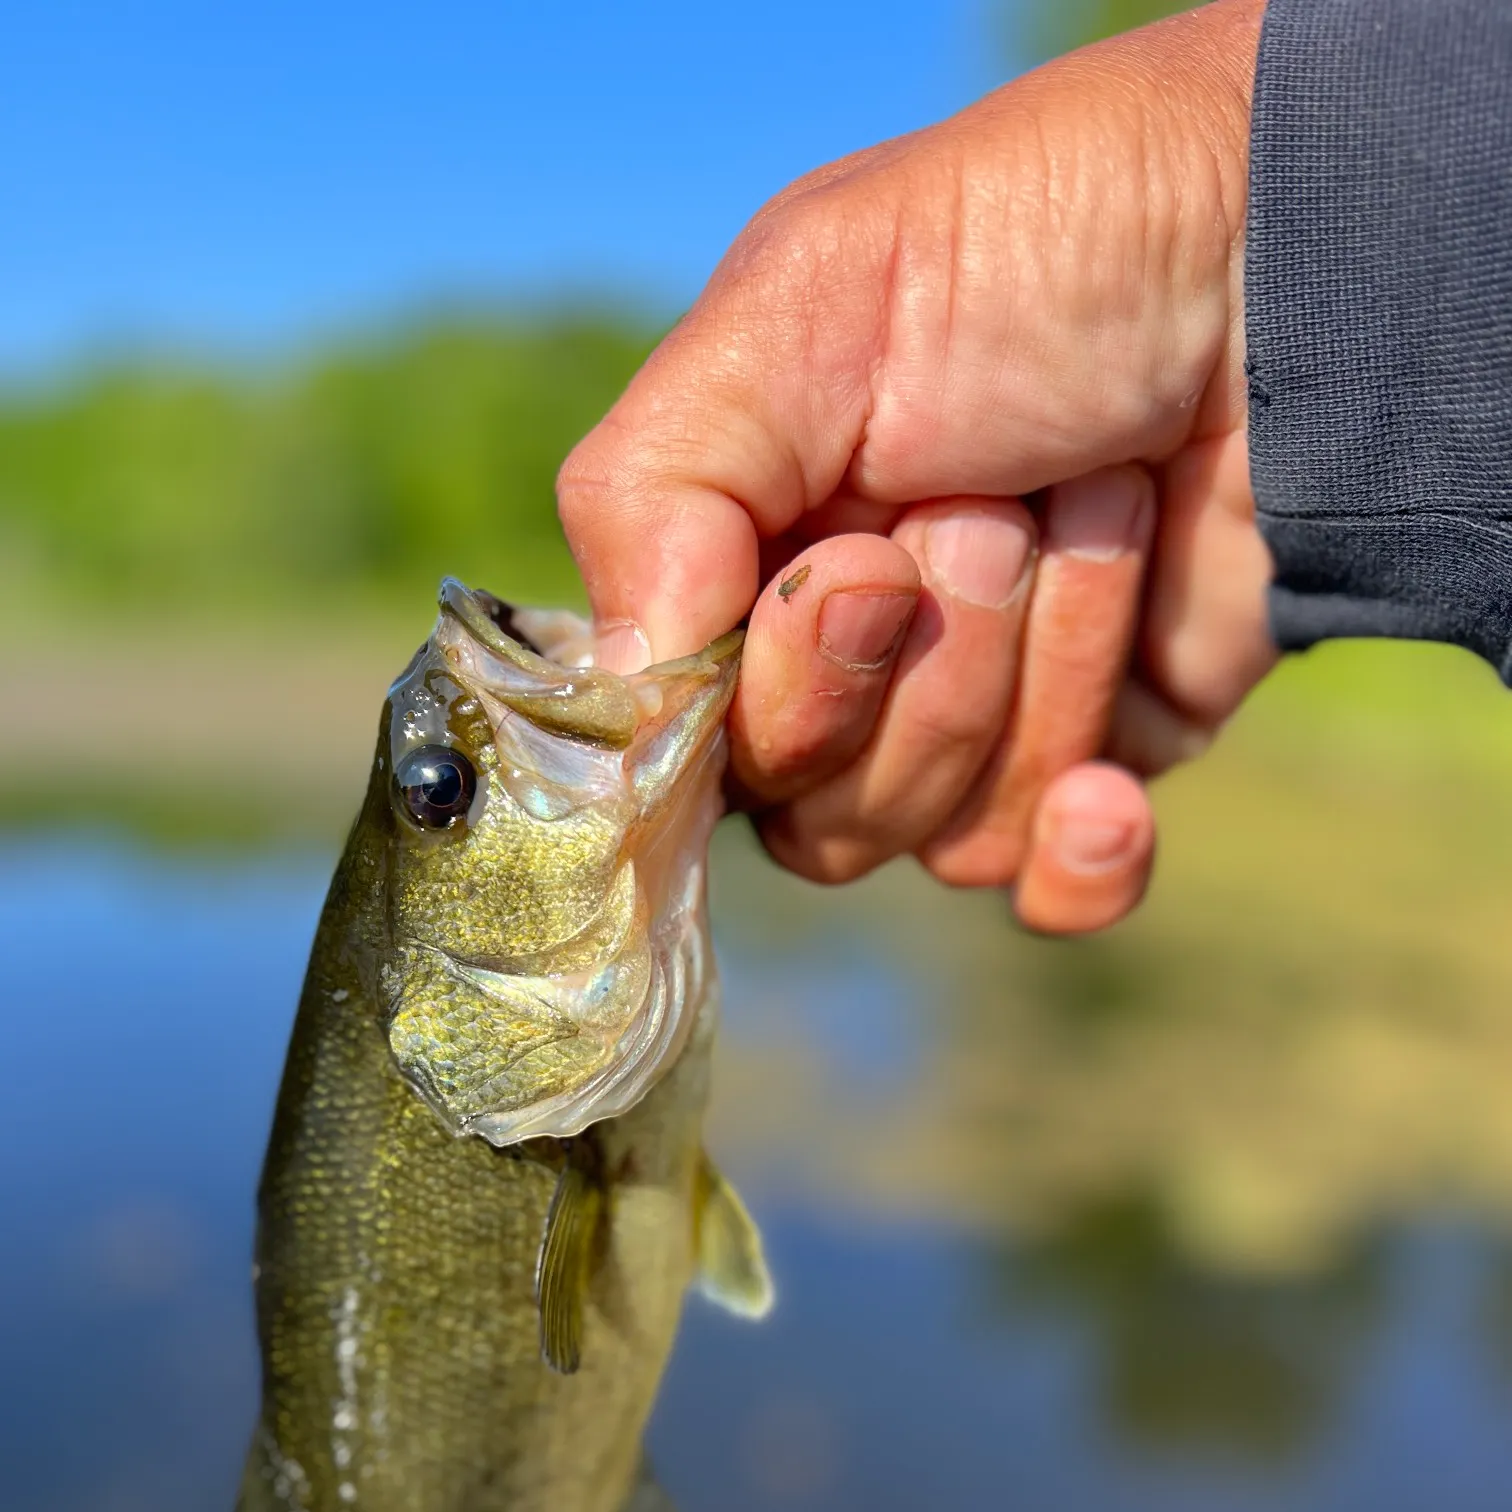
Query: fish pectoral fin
564, 1267
732, 1268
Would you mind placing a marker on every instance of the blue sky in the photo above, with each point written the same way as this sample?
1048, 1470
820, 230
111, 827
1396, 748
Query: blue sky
243, 177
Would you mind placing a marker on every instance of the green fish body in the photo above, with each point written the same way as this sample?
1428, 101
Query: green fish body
485, 1193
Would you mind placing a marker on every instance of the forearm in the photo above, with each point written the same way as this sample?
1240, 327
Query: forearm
1379, 319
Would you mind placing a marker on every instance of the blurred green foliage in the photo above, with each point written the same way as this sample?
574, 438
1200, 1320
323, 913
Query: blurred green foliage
1035, 30
374, 468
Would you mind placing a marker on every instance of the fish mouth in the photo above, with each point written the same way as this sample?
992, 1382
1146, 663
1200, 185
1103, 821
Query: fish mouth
539, 663
491, 622
504, 618
477, 634
557, 639
558, 1034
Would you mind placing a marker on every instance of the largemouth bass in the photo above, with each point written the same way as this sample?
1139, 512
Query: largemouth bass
485, 1193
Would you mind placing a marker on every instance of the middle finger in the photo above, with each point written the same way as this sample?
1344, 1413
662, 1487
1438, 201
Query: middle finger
1082, 619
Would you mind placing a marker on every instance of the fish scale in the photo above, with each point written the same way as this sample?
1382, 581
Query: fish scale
397, 1253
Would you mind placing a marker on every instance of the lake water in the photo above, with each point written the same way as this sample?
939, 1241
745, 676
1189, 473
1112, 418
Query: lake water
989, 1297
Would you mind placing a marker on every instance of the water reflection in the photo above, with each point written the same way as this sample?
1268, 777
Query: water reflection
1200, 1215
1190, 1361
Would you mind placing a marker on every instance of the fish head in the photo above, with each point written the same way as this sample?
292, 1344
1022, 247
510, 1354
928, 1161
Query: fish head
546, 937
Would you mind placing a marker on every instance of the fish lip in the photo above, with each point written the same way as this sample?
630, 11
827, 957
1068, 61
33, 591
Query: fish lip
484, 639
487, 618
495, 624
583, 703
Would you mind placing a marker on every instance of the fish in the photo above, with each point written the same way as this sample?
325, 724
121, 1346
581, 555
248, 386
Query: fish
485, 1192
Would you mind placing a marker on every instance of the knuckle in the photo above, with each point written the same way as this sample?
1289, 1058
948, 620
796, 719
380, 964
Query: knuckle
945, 726
584, 479
1148, 736
814, 254
784, 256
772, 773
626, 459
599, 486
980, 860
809, 744
830, 861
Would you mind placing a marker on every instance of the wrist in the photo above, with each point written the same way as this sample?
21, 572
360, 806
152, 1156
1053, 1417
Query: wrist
1225, 49
1173, 100
1194, 74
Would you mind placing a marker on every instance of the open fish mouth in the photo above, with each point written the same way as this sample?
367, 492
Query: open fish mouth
550, 952
507, 621
556, 635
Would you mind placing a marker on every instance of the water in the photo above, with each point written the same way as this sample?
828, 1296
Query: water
985, 1299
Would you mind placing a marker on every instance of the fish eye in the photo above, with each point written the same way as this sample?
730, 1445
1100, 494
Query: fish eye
436, 784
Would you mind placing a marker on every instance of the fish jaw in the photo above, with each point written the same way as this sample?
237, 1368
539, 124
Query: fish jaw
549, 962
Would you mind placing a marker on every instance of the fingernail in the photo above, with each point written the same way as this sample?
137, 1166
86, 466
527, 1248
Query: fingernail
978, 558
861, 631
621, 646
1095, 518
1090, 845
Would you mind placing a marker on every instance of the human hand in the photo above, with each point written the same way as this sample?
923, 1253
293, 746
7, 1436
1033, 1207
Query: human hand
1039, 297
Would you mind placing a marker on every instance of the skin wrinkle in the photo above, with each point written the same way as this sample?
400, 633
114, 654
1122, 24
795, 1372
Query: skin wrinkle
906, 447
1043, 202
1144, 88
985, 213
804, 260
956, 259
1138, 417
871, 362
855, 478
662, 524
1216, 235
1160, 242
908, 426
1025, 293
1105, 268
776, 470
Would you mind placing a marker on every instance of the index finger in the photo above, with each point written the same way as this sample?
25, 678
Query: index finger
743, 419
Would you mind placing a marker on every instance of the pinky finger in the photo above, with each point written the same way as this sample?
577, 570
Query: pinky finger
1090, 852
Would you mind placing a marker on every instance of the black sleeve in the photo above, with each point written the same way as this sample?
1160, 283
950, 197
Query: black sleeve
1378, 307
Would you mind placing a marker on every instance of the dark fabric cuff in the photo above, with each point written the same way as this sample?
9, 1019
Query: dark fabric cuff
1379, 319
